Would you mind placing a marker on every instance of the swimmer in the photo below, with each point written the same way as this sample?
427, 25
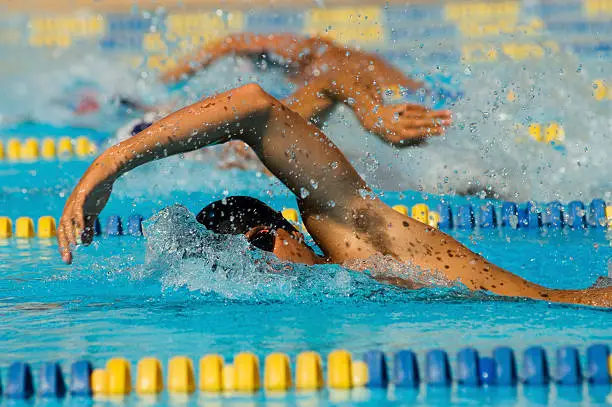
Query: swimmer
327, 74
345, 219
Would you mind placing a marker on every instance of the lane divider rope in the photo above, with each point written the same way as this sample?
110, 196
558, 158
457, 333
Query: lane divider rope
242, 375
32, 149
575, 216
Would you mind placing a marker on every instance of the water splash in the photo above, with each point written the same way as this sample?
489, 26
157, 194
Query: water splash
185, 255
485, 151
495, 158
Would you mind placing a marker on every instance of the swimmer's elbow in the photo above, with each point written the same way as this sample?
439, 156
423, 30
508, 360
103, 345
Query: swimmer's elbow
254, 90
256, 96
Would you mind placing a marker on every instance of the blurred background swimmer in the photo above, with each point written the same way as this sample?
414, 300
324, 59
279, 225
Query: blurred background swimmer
86, 91
326, 74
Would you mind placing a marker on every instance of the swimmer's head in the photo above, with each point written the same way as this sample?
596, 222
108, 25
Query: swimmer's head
140, 126
263, 227
134, 127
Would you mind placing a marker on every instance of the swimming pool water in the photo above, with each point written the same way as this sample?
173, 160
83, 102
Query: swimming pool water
115, 301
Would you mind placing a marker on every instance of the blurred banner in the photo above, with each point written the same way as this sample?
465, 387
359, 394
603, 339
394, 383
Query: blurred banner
150, 34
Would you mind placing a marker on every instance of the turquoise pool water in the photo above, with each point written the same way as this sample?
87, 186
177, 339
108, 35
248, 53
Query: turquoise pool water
119, 300
136, 297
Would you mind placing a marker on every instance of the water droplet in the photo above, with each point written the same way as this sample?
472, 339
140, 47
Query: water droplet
333, 165
513, 221
304, 193
314, 184
365, 194
332, 204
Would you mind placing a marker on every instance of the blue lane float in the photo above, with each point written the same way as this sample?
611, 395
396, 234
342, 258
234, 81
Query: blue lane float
406, 369
51, 381
468, 367
114, 226
597, 214
377, 369
19, 383
465, 217
488, 217
553, 215
598, 357
487, 371
509, 215
446, 216
523, 217
535, 367
134, 225
576, 215
80, 379
437, 368
534, 216
506, 366
569, 372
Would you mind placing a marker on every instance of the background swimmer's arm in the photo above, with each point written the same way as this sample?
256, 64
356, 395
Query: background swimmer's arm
293, 150
398, 124
238, 44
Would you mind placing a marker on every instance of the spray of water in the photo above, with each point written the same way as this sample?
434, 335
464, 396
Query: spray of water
184, 254
484, 152
488, 150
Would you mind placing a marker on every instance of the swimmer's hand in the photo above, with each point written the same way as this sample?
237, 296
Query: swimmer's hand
407, 123
82, 208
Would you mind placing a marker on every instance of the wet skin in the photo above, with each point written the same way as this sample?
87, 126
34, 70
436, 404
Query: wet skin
345, 219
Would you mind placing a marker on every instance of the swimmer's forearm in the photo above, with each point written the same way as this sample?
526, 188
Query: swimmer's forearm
364, 100
321, 92
484, 275
238, 44
232, 114
187, 66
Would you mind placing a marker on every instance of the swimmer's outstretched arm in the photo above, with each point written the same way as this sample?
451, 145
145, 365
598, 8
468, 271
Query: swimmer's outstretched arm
400, 124
285, 45
281, 139
339, 210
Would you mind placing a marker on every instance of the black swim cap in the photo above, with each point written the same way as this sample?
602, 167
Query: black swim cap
238, 214
140, 127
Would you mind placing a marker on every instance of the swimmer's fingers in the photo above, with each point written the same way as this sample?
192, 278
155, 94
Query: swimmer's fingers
410, 109
441, 114
70, 231
424, 112
79, 220
411, 134
427, 123
64, 231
